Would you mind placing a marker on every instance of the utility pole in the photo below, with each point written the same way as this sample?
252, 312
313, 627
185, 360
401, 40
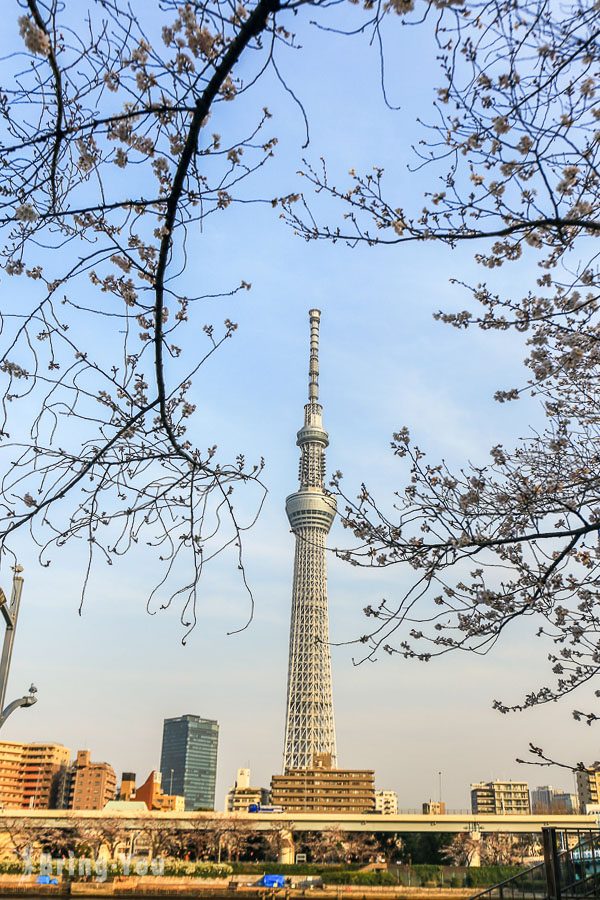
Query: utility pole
10, 613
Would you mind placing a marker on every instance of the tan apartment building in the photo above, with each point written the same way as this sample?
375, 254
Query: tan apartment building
588, 786
88, 785
323, 789
510, 798
30, 774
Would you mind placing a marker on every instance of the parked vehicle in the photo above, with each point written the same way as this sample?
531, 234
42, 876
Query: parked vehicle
258, 808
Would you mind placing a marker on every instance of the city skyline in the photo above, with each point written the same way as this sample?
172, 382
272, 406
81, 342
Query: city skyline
40, 775
109, 677
266, 761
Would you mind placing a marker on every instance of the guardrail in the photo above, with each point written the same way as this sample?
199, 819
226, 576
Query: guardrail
570, 871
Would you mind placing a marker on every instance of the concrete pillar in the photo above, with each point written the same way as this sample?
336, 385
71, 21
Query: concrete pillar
475, 857
286, 848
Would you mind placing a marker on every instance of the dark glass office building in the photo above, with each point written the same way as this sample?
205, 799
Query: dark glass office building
188, 760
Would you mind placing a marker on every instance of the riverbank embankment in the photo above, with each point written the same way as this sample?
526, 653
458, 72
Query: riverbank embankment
217, 889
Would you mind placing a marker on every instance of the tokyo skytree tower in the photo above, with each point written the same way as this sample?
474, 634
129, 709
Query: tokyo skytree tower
309, 726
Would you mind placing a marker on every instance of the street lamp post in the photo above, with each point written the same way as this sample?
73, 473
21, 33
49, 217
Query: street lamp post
10, 614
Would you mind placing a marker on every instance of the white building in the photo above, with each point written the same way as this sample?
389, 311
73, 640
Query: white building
242, 794
498, 798
386, 802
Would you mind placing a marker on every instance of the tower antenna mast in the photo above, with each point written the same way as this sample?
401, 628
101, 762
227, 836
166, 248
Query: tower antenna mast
310, 728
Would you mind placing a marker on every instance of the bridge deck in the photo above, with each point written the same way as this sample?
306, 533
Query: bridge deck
58, 818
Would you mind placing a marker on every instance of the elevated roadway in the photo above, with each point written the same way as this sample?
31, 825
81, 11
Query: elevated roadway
292, 822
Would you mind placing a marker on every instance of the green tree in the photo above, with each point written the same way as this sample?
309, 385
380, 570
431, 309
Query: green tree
424, 848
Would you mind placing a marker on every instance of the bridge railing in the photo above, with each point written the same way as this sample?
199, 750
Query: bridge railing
447, 812
570, 871
528, 885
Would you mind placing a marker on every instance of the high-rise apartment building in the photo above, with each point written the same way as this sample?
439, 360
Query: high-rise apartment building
188, 760
500, 798
11, 774
324, 789
88, 785
588, 785
30, 774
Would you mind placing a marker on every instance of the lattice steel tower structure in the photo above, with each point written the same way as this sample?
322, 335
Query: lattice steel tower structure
310, 728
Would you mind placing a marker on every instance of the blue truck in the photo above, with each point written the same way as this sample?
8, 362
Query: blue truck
258, 808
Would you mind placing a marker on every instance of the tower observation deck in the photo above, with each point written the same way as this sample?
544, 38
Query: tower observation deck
310, 725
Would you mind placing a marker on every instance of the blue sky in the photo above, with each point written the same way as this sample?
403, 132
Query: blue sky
108, 678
